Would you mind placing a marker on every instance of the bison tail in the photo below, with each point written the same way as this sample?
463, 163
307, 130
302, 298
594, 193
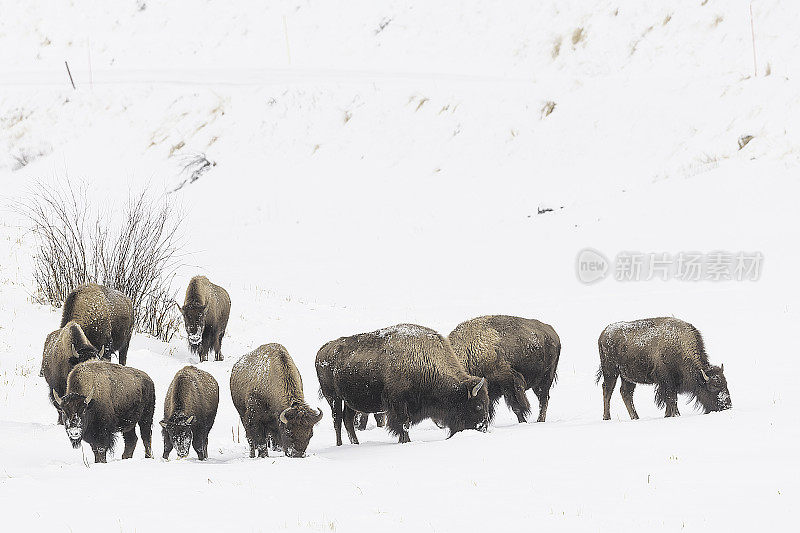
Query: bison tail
555, 354
554, 370
599, 375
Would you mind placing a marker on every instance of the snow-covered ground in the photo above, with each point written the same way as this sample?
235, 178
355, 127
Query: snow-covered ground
385, 162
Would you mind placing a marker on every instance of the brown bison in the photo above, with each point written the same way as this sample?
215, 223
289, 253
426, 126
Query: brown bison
407, 371
63, 349
666, 352
104, 398
513, 354
205, 311
267, 391
106, 316
189, 411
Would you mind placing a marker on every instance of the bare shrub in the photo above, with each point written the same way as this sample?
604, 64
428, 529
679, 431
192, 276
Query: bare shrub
194, 165
134, 250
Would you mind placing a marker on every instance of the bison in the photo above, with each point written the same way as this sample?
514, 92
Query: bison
408, 371
189, 411
666, 352
267, 391
106, 316
205, 311
104, 398
513, 354
63, 349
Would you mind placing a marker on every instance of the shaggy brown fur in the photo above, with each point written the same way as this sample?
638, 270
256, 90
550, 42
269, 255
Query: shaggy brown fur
190, 408
267, 391
106, 316
513, 354
63, 349
104, 398
667, 352
407, 371
205, 311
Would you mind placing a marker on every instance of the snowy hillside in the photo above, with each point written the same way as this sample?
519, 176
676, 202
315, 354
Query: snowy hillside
386, 162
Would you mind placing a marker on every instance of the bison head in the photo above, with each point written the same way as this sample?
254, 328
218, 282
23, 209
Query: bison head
469, 407
178, 429
712, 391
73, 413
194, 318
297, 426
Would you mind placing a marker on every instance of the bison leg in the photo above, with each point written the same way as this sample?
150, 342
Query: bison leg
512, 385
146, 431
99, 454
361, 420
200, 445
123, 353
275, 443
380, 419
349, 416
672, 405
207, 342
609, 382
109, 349
254, 430
60, 393
666, 395
203, 351
218, 347
398, 422
167, 445
626, 391
336, 411
130, 439
543, 394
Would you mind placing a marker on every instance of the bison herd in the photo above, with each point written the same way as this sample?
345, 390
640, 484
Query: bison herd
402, 374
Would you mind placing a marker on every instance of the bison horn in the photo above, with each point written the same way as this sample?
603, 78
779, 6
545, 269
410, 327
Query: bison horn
102, 351
56, 398
478, 387
318, 416
283, 415
722, 367
89, 396
705, 377
190, 419
75, 352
